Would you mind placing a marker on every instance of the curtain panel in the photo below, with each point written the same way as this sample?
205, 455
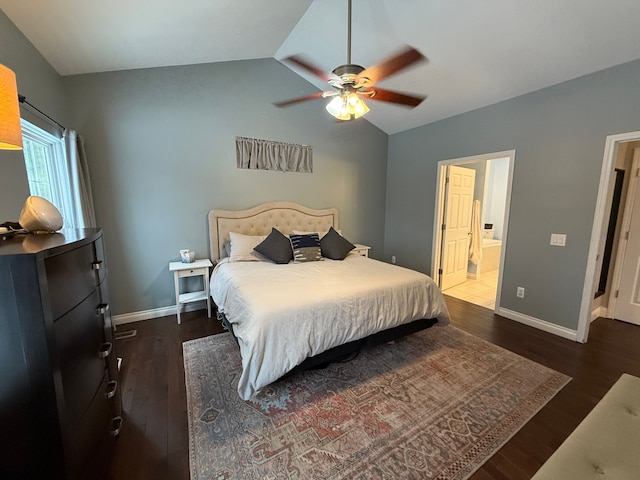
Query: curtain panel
79, 183
254, 153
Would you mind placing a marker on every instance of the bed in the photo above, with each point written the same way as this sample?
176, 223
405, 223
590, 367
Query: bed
297, 315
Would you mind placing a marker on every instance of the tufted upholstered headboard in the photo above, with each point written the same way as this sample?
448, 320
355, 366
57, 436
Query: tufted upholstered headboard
285, 216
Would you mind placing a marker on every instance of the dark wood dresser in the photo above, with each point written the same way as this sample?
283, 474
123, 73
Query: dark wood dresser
60, 407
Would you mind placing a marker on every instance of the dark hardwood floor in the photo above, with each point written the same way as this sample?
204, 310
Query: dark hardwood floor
153, 443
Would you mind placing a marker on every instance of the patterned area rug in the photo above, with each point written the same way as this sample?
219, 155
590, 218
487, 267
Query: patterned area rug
436, 404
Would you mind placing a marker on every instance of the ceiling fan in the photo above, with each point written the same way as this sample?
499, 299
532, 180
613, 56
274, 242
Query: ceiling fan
353, 82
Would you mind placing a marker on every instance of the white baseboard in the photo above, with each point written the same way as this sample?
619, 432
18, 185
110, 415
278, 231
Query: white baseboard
156, 313
539, 324
510, 314
599, 312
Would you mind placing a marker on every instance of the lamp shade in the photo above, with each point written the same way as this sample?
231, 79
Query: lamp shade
10, 130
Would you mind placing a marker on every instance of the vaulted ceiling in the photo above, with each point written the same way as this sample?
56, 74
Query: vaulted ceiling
480, 52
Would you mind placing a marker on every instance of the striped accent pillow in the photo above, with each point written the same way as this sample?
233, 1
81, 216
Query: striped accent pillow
306, 248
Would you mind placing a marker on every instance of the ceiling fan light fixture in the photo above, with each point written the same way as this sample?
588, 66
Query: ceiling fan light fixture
338, 108
356, 105
347, 106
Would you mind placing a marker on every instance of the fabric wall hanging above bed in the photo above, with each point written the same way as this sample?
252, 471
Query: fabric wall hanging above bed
254, 153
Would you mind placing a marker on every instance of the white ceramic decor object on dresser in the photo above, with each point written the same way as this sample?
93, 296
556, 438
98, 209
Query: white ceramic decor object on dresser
193, 269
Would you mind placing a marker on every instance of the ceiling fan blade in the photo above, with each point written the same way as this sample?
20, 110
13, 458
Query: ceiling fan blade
293, 101
399, 61
308, 66
382, 95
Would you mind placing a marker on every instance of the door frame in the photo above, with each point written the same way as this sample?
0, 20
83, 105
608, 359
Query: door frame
599, 220
627, 214
439, 210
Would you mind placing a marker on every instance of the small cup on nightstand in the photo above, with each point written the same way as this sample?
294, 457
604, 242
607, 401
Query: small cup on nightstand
187, 256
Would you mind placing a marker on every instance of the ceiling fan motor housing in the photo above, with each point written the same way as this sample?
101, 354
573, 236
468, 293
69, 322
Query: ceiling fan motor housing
348, 72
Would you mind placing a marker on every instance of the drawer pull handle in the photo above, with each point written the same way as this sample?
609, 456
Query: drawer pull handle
116, 425
112, 387
102, 308
97, 265
105, 349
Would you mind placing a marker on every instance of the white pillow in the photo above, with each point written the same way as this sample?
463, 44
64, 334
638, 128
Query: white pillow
242, 247
320, 234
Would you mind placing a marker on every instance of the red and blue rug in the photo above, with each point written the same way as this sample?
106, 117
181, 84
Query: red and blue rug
436, 404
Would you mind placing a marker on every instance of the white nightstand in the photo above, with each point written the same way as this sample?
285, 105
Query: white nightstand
193, 269
361, 249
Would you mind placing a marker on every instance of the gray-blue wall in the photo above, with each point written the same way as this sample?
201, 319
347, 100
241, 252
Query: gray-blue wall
42, 86
161, 153
559, 135
161, 150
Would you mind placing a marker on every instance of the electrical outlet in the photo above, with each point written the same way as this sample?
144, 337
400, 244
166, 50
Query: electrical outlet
393, 259
520, 292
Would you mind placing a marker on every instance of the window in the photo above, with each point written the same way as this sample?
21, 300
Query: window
47, 169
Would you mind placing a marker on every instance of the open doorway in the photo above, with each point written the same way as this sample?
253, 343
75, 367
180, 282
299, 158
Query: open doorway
617, 283
477, 281
590, 307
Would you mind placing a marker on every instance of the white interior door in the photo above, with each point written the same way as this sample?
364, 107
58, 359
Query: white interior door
627, 305
457, 225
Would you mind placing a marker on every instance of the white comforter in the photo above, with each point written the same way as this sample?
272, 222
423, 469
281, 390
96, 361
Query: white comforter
282, 314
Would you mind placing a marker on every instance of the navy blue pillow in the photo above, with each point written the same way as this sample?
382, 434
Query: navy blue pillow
306, 248
335, 246
276, 247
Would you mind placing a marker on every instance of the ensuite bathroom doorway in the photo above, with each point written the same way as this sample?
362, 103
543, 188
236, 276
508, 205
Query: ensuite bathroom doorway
475, 277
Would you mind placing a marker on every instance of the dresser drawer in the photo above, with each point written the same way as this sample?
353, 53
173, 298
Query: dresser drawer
79, 336
97, 467
71, 278
107, 319
99, 265
87, 433
109, 346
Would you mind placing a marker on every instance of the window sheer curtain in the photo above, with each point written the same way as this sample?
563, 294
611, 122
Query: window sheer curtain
80, 185
254, 153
